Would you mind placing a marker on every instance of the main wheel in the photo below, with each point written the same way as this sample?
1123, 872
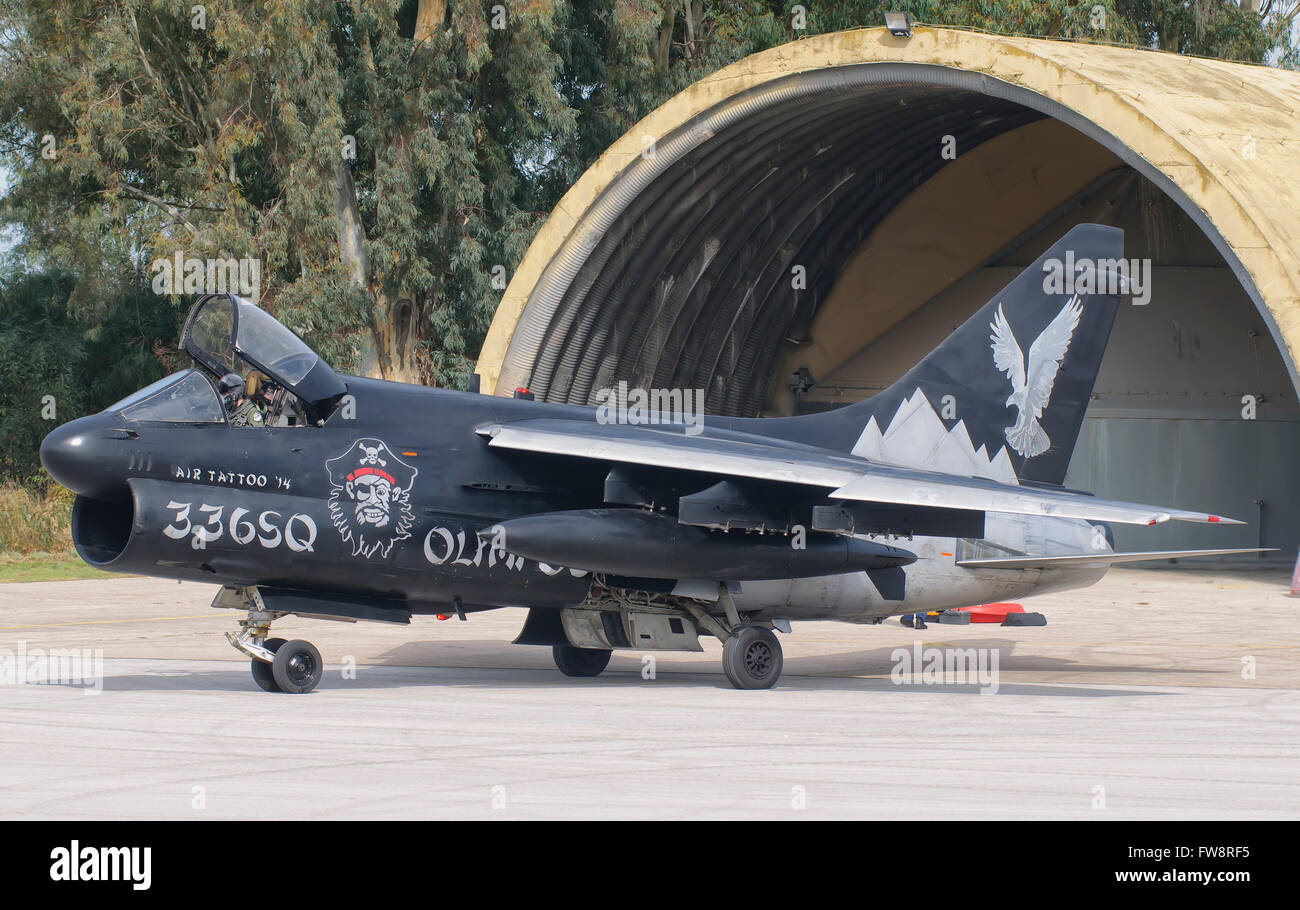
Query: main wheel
297, 667
263, 675
751, 658
580, 661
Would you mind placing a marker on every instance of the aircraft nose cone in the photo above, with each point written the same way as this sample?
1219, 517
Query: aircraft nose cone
67, 456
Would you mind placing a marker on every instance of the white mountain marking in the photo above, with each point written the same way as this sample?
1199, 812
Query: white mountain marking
917, 438
1031, 387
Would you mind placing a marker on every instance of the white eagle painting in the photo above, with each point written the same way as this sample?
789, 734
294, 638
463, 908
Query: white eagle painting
1031, 385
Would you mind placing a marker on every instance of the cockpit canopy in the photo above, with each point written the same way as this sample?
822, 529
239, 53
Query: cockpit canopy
182, 397
227, 334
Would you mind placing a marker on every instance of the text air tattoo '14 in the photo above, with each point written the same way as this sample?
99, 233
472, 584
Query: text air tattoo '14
301, 491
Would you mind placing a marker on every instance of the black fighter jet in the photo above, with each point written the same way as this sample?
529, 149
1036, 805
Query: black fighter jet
302, 491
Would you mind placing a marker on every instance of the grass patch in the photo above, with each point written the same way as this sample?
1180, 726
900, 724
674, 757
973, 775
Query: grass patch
35, 517
35, 534
45, 567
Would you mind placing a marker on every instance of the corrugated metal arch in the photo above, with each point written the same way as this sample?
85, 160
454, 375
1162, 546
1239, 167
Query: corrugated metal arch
668, 262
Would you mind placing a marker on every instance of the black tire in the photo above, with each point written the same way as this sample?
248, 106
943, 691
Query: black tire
297, 667
580, 661
751, 658
262, 672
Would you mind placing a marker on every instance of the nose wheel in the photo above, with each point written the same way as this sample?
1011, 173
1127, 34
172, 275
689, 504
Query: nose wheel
263, 675
297, 667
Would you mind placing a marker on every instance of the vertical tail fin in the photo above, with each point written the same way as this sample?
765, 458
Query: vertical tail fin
1004, 395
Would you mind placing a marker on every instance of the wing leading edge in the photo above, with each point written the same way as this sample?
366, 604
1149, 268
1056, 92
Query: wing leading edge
846, 476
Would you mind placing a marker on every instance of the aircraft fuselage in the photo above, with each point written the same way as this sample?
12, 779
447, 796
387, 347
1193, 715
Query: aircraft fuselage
274, 506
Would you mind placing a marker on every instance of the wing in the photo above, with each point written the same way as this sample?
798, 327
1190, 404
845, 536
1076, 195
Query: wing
744, 455
1047, 352
1007, 356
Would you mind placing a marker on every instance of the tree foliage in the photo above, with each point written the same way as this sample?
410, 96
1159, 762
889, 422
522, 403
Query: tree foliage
56, 365
387, 162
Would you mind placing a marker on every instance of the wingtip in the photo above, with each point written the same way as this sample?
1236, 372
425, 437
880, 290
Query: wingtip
1196, 517
1206, 518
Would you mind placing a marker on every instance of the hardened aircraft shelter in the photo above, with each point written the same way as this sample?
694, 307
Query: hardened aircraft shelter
792, 232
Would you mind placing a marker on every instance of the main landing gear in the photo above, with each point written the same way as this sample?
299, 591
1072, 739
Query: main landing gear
294, 666
580, 661
751, 658
751, 653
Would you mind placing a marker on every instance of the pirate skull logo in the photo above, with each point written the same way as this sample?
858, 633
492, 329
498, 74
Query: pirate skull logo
370, 497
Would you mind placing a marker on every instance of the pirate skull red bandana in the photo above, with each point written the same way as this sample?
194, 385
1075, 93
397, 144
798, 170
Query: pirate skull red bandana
369, 502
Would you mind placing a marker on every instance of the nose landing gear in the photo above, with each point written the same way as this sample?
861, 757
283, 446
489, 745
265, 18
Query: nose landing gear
277, 665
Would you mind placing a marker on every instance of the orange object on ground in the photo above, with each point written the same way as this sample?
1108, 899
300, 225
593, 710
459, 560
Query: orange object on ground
991, 612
